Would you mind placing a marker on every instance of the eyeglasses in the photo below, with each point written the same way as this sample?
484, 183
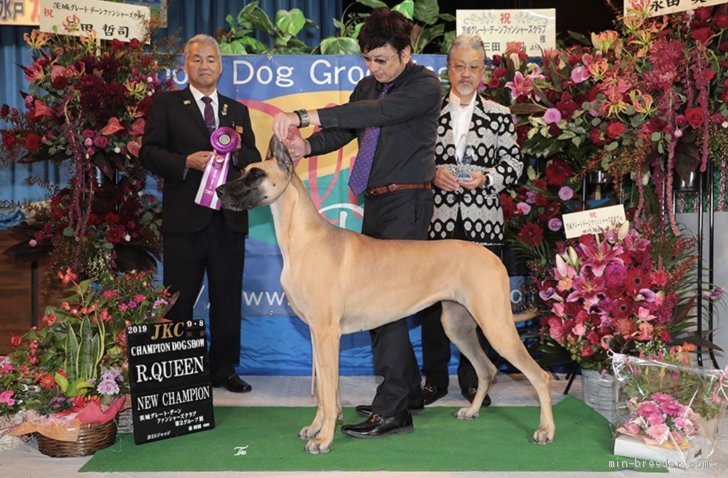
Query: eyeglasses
460, 68
381, 61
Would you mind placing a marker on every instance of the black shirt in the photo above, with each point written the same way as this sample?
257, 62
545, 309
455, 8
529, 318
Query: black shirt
408, 120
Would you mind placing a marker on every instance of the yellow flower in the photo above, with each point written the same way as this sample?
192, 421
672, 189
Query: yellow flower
605, 40
36, 39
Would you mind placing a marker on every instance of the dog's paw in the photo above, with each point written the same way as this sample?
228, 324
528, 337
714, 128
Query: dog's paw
543, 437
314, 447
307, 433
466, 414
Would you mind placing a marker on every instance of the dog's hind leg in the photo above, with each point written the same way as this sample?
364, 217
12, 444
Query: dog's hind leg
501, 332
326, 345
462, 331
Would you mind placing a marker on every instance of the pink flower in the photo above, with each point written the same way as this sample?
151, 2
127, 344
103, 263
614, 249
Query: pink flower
523, 207
520, 86
552, 116
566, 193
580, 74
659, 433
6, 397
555, 224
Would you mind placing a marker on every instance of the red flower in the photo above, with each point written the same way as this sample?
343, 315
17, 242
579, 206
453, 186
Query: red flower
695, 116
702, 35
531, 235
558, 172
9, 139
32, 142
508, 205
15, 340
615, 129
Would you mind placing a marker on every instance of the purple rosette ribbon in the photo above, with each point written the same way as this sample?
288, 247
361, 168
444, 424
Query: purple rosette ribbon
224, 141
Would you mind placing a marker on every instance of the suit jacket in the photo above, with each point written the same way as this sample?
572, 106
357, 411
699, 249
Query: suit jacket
492, 135
175, 128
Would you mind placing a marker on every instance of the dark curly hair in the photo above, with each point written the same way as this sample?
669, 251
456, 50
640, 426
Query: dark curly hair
384, 26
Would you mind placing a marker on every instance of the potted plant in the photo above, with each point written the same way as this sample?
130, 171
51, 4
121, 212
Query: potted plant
67, 380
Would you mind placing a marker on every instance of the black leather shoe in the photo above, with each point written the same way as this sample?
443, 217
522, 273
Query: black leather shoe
415, 408
234, 384
376, 426
470, 392
432, 393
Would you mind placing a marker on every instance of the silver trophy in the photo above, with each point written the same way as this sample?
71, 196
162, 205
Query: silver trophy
464, 162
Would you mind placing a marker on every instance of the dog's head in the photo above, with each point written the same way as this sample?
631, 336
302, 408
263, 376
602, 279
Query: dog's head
261, 183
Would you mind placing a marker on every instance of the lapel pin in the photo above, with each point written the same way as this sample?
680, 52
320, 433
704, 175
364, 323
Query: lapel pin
186, 102
224, 109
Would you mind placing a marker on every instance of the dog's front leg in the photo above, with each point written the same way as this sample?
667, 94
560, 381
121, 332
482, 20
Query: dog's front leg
309, 432
326, 352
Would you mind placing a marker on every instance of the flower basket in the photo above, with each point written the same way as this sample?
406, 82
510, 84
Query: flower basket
669, 410
91, 438
600, 393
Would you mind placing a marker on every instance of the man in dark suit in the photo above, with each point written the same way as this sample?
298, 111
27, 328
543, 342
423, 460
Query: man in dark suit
199, 239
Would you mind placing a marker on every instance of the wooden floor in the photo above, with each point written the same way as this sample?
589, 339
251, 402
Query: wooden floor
16, 292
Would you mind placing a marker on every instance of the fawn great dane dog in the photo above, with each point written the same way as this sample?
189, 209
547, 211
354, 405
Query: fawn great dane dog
333, 280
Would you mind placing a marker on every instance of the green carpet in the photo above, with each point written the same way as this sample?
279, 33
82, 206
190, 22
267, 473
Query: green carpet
500, 440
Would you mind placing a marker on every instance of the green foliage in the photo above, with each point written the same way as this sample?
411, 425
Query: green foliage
429, 27
240, 39
84, 351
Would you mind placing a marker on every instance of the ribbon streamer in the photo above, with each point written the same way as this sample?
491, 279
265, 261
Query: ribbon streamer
224, 141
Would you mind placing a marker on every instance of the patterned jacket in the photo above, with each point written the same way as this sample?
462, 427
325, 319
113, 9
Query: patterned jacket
492, 135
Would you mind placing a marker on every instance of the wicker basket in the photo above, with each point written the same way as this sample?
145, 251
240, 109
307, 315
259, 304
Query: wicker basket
91, 438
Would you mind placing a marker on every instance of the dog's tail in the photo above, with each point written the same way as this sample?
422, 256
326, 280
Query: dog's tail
525, 315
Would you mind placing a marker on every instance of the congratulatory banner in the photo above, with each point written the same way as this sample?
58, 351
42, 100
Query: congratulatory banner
169, 380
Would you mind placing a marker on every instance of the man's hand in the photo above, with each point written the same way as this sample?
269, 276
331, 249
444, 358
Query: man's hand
477, 180
198, 160
297, 146
445, 180
282, 122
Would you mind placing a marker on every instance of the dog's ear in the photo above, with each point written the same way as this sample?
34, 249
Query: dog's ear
278, 152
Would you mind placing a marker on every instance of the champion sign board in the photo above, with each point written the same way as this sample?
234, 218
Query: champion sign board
170, 380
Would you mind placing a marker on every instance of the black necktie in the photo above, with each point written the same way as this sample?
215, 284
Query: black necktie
209, 114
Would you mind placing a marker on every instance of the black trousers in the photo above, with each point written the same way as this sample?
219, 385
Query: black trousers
219, 252
402, 214
436, 344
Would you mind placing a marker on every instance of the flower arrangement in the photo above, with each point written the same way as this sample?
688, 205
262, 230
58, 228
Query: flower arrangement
85, 106
669, 403
74, 366
622, 292
532, 213
646, 101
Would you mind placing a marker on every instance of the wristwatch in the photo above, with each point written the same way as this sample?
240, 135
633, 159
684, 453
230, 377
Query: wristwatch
303, 119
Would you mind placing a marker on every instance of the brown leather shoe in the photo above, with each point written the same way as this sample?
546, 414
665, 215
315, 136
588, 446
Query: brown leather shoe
376, 426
